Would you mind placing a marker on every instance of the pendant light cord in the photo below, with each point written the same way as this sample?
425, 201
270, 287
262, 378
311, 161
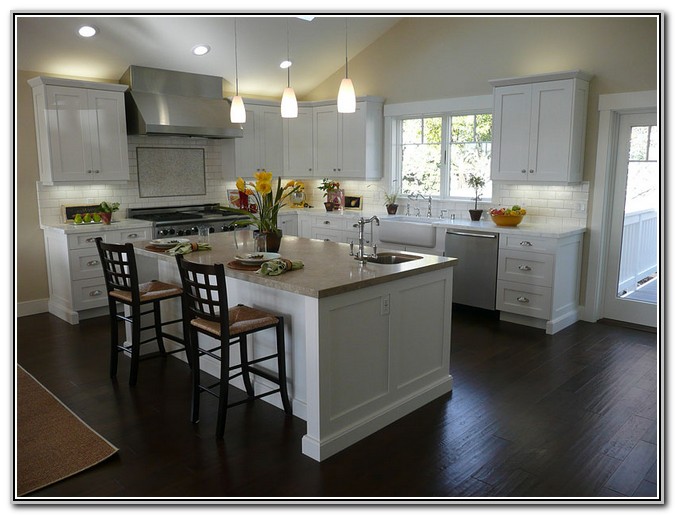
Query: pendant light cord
236, 64
288, 53
346, 54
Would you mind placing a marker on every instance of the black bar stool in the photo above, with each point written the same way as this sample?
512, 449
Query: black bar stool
121, 279
206, 307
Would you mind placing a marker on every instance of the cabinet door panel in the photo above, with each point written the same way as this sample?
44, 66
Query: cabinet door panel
298, 144
271, 140
511, 135
354, 143
327, 143
245, 160
551, 130
68, 128
108, 135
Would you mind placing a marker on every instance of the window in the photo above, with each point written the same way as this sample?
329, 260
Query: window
436, 154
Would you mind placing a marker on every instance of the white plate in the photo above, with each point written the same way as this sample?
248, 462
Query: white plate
256, 258
167, 243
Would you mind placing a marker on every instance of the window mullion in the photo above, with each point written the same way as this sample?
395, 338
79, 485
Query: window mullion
445, 157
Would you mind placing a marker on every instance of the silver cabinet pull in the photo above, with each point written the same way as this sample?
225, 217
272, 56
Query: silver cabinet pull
95, 293
523, 171
93, 262
531, 171
132, 235
524, 300
326, 222
91, 240
525, 244
88, 171
96, 171
525, 268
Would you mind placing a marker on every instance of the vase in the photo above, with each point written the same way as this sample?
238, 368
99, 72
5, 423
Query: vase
337, 197
329, 206
475, 214
392, 209
271, 239
106, 218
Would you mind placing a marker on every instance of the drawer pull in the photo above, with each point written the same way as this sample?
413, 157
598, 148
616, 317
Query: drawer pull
95, 293
326, 222
525, 244
525, 268
93, 262
523, 171
91, 240
524, 300
132, 235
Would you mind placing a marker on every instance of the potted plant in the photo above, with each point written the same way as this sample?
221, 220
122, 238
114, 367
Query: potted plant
106, 211
390, 199
476, 182
268, 203
333, 193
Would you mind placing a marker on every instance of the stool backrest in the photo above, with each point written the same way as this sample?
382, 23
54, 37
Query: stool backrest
204, 291
119, 266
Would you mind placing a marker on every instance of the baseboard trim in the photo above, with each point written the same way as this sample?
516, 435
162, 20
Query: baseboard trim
32, 307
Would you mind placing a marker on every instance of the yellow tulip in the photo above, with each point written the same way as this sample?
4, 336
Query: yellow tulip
241, 185
263, 187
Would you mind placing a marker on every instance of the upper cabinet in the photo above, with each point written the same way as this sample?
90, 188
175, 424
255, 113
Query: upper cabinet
261, 147
81, 131
299, 144
349, 146
539, 127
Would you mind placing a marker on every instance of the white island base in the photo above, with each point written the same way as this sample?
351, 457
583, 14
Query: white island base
356, 360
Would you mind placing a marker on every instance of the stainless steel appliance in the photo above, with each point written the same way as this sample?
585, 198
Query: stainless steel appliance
475, 277
185, 220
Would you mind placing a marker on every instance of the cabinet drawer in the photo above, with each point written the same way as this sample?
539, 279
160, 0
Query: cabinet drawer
328, 235
89, 293
513, 241
524, 299
329, 222
526, 267
131, 235
85, 264
88, 240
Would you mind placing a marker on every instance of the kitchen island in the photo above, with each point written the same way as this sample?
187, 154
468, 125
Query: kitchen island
366, 343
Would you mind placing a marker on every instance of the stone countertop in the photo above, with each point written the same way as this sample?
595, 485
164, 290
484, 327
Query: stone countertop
328, 267
116, 225
524, 229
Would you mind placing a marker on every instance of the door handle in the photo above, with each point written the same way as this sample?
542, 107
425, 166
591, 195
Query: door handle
472, 235
525, 268
523, 300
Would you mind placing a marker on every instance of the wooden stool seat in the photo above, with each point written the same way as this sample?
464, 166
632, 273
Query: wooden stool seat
243, 319
149, 292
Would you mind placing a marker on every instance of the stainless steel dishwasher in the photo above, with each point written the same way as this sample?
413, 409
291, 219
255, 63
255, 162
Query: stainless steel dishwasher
475, 276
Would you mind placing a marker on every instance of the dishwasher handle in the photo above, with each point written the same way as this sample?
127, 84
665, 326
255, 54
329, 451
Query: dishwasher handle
472, 234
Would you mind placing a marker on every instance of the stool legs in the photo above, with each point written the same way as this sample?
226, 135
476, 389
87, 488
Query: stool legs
135, 344
224, 388
158, 326
114, 337
245, 373
193, 352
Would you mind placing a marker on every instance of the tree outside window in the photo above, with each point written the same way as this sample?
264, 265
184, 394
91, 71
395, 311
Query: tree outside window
437, 153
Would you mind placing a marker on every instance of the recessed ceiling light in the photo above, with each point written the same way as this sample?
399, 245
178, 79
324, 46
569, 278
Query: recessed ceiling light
87, 31
201, 49
285, 64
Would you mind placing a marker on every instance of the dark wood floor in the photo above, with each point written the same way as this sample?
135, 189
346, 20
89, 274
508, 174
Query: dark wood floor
568, 416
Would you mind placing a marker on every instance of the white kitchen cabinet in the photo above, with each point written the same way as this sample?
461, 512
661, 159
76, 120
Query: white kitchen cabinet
539, 128
261, 146
298, 138
81, 131
349, 146
538, 280
76, 283
288, 223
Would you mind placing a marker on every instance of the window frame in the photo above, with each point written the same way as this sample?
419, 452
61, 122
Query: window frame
446, 124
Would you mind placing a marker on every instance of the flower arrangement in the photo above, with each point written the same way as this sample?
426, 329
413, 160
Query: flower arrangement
268, 201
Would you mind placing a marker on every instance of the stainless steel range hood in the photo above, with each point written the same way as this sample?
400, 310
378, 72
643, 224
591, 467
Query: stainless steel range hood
166, 102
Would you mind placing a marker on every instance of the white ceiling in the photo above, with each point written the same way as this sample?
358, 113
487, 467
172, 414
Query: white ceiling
49, 44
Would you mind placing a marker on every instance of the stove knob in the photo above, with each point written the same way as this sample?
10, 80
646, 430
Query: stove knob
163, 232
194, 230
211, 229
181, 232
172, 231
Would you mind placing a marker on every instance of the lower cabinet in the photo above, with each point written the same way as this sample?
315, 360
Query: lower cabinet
76, 283
538, 280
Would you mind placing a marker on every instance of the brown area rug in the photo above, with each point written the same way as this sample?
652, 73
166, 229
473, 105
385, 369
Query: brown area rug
52, 443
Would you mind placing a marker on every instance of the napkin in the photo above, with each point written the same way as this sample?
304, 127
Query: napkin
279, 266
186, 248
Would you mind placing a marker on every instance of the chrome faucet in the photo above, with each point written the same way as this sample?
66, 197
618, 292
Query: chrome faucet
417, 212
429, 207
443, 211
361, 253
407, 209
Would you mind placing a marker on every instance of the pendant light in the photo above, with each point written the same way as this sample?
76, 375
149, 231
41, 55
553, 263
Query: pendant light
289, 104
237, 109
346, 100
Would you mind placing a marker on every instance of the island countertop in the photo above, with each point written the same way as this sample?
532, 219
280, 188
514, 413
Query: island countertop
328, 268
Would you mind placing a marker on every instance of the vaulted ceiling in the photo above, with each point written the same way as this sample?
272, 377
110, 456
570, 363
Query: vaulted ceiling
49, 43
